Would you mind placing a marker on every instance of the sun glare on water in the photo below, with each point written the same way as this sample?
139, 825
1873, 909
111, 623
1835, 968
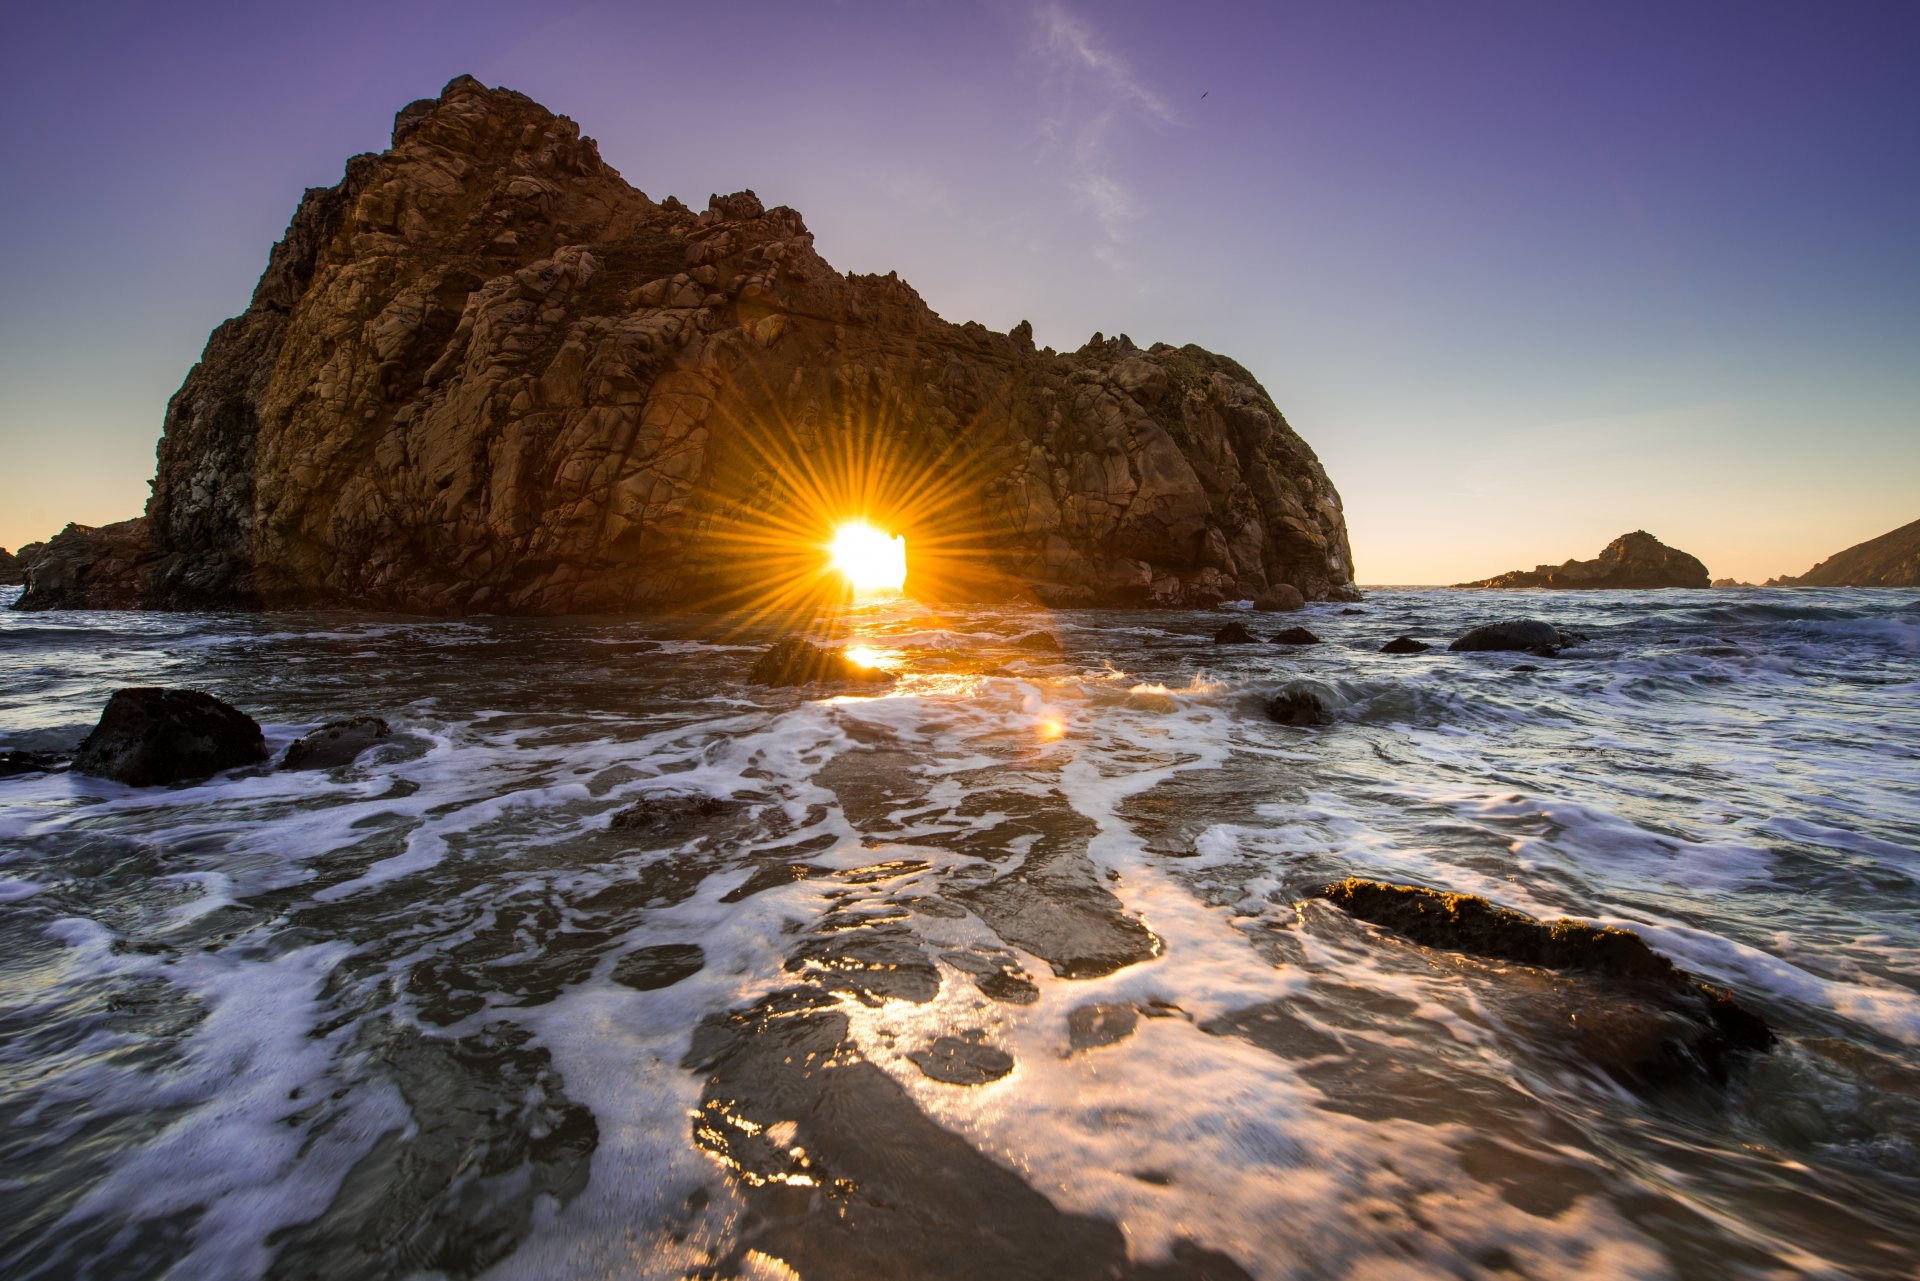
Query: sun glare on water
872, 562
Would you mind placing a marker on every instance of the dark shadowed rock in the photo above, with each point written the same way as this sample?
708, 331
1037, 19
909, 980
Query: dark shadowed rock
1297, 707
151, 736
484, 373
649, 968
88, 567
1891, 560
1404, 645
1234, 633
962, 1060
1526, 634
1278, 599
1651, 1025
1353, 611
14, 762
793, 661
1295, 636
1080, 930
1631, 561
12, 574
336, 743
671, 813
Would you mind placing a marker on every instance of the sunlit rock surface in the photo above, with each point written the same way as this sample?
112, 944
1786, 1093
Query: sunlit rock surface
483, 373
1637, 560
1891, 560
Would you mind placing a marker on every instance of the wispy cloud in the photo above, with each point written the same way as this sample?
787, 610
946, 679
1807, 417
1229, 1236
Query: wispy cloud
1100, 95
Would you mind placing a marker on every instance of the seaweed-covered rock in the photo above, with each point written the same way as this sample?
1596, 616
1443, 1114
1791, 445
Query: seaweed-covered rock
1405, 645
336, 743
146, 737
793, 661
1234, 633
1295, 636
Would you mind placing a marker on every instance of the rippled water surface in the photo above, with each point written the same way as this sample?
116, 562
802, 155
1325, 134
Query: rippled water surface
1008, 970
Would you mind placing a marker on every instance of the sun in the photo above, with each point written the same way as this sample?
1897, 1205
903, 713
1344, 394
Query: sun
872, 562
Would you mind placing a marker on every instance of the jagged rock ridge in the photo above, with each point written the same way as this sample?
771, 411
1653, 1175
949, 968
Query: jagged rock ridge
483, 373
1891, 560
1634, 561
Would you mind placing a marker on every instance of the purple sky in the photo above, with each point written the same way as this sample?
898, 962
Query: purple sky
1527, 275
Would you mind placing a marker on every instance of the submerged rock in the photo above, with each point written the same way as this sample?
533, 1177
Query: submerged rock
1039, 643
484, 373
1526, 634
1631, 561
793, 661
647, 969
1101, 1023
1405, 645
1297, 707
665, 811
147, 737
1234, 633
962, 1060
1295, 636
14, 762
336, 743
1658, 1024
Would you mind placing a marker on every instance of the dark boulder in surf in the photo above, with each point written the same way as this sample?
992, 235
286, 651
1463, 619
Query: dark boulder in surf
1295, 636
1529, 635
15, 762
1297, 707
1039, 643
336, 743
1648, 1024
147, 737
793, 661
1234, 633
1405, 645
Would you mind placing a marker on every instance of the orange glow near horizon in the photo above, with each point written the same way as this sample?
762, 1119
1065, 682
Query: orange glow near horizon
872, 563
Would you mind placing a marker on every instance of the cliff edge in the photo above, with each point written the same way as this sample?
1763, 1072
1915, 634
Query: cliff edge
483, 373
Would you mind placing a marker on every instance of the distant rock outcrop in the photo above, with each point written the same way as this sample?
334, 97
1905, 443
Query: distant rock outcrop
1636, 560
1891, 560
11, 573
483, 373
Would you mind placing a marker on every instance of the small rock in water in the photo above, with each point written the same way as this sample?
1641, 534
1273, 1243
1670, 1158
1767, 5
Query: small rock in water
1095, 1025
1234, 633
793, 661
1039, 643
14, 762
1353, 611
1279, 599
669, 809
147, 737
650, 968
1528, 634
1295, 636
962, 1060
336, 743
1405, 645
1297, 707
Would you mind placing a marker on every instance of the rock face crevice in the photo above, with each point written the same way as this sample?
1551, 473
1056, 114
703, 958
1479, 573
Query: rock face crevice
483, 373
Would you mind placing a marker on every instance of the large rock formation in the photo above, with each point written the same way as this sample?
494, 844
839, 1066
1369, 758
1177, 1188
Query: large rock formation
483, 373
11, 573
1891, 560
1636, 560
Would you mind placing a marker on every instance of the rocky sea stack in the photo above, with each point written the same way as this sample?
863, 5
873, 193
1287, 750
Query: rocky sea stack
1891, 560
483, 373
1631, 561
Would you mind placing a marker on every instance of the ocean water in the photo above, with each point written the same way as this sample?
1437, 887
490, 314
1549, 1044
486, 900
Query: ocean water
1009, 969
